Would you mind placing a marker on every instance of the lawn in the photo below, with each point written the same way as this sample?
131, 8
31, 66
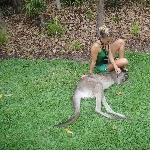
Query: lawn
36, 94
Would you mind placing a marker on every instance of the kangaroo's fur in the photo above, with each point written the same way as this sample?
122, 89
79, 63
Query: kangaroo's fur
93, 86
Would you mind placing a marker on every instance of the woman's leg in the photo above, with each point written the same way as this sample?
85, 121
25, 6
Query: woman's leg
118, 48
121, 63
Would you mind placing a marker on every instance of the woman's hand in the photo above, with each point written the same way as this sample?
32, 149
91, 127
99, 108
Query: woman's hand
117, 69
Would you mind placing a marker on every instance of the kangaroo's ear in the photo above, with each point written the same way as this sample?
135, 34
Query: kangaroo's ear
126, 75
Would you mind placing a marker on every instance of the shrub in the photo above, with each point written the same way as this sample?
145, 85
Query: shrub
76, 45
3, 36
15, 4
117, 4
54, 28
34, 7
113, 3
72, 2
89, 14
135, 29
144, 2
115, 18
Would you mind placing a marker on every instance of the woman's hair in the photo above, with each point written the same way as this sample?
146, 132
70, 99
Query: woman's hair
104, 32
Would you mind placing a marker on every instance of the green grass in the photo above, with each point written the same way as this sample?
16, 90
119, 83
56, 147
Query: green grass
36, 94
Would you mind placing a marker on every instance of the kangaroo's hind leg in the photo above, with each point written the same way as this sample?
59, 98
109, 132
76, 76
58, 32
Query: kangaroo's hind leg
109, 109
76, 102
99, 94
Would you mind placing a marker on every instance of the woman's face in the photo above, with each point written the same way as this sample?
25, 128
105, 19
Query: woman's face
106, 40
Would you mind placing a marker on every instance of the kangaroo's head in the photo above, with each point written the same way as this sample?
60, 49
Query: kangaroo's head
121, 77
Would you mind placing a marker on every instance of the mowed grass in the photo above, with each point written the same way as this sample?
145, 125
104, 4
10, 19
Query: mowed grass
36, 94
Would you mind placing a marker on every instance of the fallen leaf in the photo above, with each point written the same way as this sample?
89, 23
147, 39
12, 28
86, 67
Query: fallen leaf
119, 93
68, 131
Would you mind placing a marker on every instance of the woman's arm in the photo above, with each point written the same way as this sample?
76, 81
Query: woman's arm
94, 52
111, 58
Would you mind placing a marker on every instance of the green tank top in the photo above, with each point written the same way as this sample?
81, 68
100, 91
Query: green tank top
102, 57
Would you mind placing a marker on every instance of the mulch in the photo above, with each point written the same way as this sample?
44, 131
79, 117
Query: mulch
26, 40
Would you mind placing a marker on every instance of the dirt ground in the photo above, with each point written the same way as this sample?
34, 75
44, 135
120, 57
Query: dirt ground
26, 40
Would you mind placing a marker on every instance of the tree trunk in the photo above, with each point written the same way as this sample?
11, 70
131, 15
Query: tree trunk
58, 4
100, 16
1, 20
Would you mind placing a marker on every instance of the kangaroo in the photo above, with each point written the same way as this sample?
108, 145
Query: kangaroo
93, 86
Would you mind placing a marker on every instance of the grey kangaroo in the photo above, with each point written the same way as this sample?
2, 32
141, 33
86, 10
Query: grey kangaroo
93, 86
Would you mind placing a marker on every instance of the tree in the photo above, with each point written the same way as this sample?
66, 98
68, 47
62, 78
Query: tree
100, 16
1, 21
58, 4
16, 4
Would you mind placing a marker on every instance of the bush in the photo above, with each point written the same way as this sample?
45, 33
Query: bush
144, 2
3, 36
34, 7
113, 3
54, 28
15, 4
89, 14
135, 29
116, 18
72, 2
76, 45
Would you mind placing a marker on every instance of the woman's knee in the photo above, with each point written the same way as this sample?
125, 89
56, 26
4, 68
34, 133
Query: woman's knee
124, 61
121, 48
121, 45
118, 46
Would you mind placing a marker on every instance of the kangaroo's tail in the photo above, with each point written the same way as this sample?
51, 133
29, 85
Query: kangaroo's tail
71, 120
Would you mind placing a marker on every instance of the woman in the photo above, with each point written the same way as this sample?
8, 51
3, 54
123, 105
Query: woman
103, 53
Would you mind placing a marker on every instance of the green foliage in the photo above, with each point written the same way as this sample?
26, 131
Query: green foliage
144, 2
76, 45
112, 3
3, 36
36, 94
147, 2
115, 4
54, 28
89, 14
116, 18
15, 4
72, 2
135, 29
34, 7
